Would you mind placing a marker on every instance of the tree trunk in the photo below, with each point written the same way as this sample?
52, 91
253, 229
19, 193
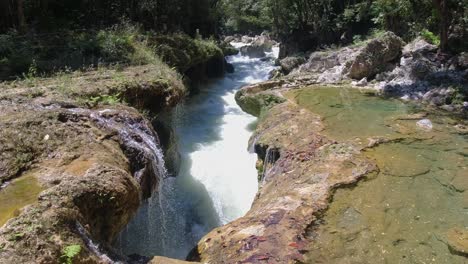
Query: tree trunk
442, 10
21, 17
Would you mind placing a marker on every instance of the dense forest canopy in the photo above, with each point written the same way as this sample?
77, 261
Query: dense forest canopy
54, 33
158, 15
330, 21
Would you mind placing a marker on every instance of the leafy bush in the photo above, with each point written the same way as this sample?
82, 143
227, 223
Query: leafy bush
122, 44
430, 37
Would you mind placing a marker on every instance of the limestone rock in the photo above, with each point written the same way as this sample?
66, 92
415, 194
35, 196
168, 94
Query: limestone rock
361, 83
457, 240
289, 63
372, 58
257, 46
258, 97
418, 46
307, 167
425, 124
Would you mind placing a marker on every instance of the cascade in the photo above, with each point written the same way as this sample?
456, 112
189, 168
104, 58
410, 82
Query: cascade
217, 179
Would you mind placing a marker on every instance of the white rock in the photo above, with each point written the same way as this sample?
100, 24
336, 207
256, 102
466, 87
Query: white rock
362, 82
425, 124
405, 97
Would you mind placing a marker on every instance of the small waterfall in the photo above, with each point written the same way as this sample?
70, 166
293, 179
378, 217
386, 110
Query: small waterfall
134, 133
94, 247
271, 156
141, 145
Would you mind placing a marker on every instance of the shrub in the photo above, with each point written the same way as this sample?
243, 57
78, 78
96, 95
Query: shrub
430, 37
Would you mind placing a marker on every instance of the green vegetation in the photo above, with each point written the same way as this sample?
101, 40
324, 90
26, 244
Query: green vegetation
430, 37
69, 253
53, 35
183, 52
314, 23
50, 36
124, 44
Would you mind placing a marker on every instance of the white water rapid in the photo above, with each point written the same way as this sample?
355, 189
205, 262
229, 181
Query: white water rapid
217, 180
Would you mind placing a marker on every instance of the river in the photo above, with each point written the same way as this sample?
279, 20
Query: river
217, 180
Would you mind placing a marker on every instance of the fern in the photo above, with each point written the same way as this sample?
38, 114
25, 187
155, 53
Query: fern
70, 252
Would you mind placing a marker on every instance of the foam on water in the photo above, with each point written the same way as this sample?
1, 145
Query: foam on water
217, 179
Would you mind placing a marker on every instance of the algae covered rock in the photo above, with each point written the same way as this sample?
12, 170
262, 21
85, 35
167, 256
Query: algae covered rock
94, 158
457, 240
301, 169
373, 58
256, 98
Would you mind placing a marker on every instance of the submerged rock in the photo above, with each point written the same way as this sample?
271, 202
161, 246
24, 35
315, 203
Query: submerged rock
457, 240
425, 124
164, 260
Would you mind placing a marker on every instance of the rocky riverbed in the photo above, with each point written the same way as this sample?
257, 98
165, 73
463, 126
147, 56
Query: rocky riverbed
344, 175
313, 139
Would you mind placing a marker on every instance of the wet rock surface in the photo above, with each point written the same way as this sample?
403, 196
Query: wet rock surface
308, 167
256, 98
306, 155
256, 46
94, 159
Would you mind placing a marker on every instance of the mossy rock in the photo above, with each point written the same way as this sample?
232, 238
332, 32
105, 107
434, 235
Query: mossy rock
254, 104
183, 52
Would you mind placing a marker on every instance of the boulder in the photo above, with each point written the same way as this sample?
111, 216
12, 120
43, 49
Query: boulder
253, 51
258, 46
418, 46
289, 63
461, 61
361, 83
229, 39
375, 55
255, 98
439, 96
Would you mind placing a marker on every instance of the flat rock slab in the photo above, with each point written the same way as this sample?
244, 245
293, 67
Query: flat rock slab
294, 190
457, 240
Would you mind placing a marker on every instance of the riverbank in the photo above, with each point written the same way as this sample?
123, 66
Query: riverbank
84, 146
313, 139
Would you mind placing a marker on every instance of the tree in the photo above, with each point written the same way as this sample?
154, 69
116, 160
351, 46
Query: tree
442, 11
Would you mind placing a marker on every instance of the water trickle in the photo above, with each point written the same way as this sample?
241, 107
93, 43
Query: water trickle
217, 180
134, 133
269, 160
93, 246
